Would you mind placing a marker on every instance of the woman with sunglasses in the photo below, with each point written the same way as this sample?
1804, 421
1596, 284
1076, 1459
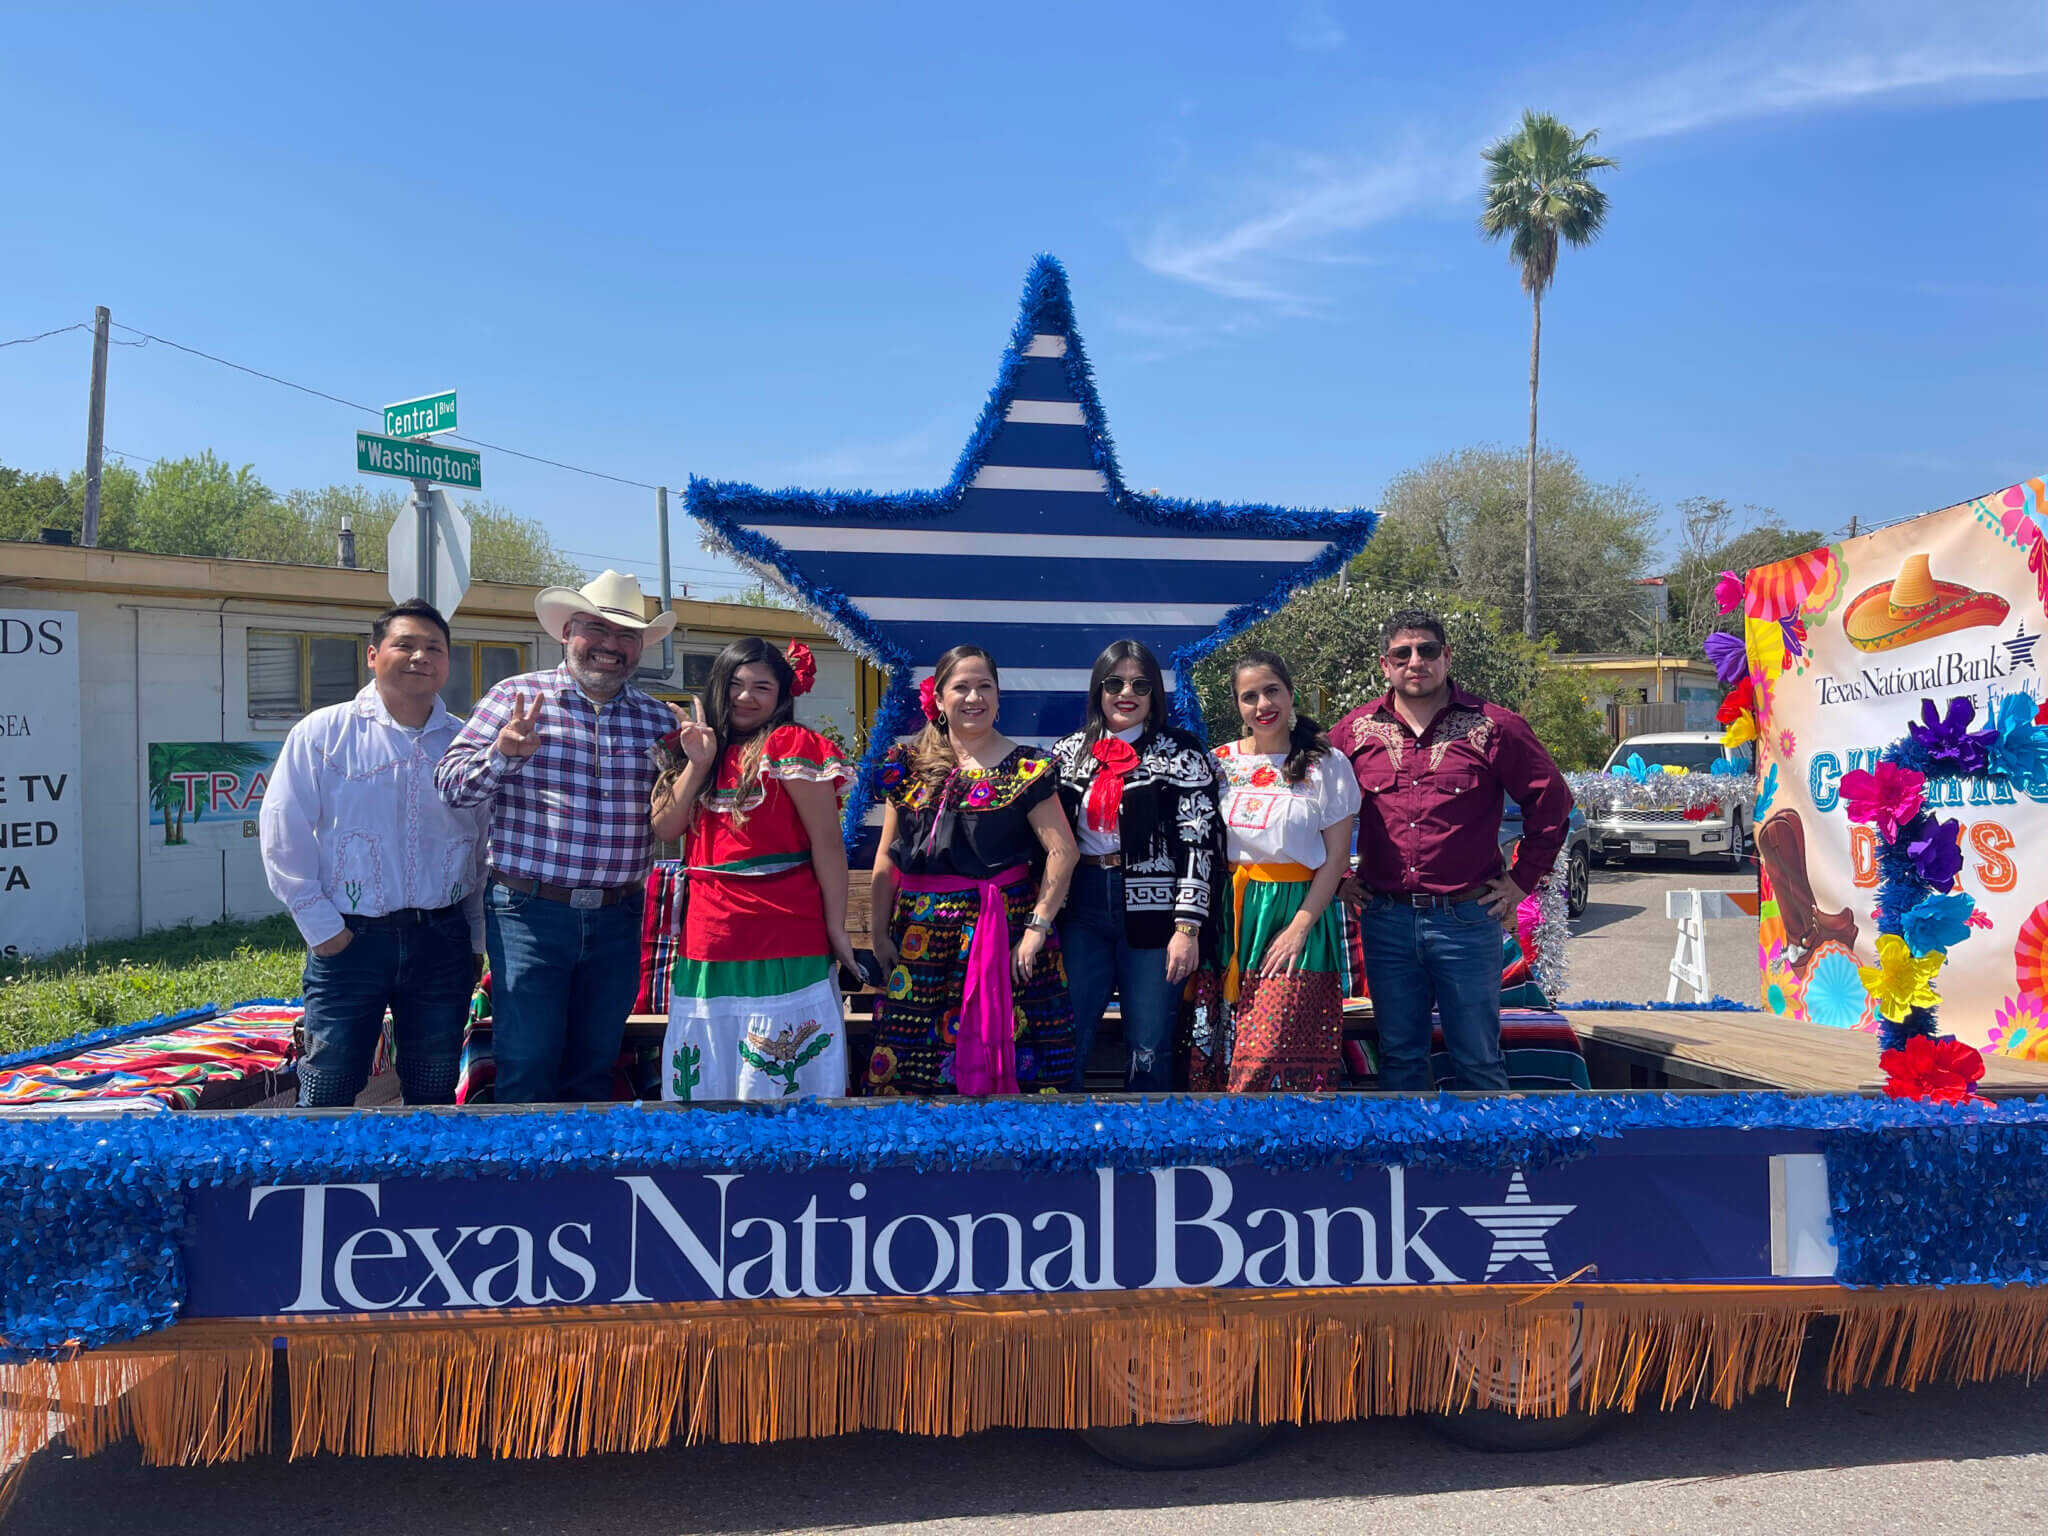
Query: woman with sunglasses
1288, 806
974, 863
1142, 797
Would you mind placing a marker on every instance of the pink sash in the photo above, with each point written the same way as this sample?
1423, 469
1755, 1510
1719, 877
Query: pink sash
985, 1052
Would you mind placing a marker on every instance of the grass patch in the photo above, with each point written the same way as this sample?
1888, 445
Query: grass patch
119, 981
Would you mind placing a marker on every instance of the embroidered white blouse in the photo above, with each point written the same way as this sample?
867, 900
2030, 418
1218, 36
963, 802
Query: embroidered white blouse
352, 822
1270, 821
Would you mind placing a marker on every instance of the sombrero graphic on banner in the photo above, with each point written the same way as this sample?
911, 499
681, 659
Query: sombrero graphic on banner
1914, 607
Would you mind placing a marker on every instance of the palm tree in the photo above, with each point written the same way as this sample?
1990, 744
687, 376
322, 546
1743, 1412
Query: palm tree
1539, 186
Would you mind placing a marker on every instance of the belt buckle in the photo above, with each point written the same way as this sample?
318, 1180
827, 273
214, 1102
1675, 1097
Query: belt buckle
587, 898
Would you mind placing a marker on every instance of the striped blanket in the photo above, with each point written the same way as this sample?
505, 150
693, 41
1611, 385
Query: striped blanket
175, 1068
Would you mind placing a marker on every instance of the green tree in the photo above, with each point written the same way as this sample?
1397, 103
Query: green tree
1451, 523
31, 502
202, 506
1712, 538
759, 596
1540, 189
504, 546
1560, 710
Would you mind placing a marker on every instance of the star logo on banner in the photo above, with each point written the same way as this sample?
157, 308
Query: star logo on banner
2021, 646
1519, 1228
1035, 549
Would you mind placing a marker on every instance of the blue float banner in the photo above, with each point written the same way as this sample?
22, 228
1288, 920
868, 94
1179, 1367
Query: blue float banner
1645, 1210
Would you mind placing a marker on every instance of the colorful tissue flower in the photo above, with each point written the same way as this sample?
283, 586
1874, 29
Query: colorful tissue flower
1744, 729
1886, 797
1835, 996
1941, 1071
1730, 658
1635, 768
2019, 746
1936, 849
1947, 739
1728, 592
1740, 700
1937, 921
804, 665
2041, 714
1900, 981
928, 699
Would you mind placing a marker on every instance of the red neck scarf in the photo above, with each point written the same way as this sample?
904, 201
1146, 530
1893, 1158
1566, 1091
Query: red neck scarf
1106, 794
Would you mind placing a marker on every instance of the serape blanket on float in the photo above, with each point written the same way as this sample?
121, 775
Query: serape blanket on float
1540, 1049
174, 1067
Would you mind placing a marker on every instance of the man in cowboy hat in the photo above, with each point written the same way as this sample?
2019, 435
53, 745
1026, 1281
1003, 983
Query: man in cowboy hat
564, 760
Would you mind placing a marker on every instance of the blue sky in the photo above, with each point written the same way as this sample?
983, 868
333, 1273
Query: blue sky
783, 243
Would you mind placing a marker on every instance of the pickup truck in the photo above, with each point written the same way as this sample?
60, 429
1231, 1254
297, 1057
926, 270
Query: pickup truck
1664, 832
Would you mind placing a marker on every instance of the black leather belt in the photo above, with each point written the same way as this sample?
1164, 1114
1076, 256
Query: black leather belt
1432, 898
404, 916
582, 897
1104, 860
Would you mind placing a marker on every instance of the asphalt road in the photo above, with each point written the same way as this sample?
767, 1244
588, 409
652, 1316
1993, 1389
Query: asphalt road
1940, 1460
1621, 947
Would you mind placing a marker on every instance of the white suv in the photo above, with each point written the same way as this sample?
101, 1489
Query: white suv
1664, 832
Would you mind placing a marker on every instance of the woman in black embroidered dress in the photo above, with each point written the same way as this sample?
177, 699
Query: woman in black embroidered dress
1142, 797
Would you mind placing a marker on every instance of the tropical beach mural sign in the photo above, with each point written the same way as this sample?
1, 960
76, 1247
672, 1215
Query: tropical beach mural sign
205, 794
1847, 647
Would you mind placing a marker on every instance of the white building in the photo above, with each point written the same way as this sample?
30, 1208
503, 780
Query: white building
211, 662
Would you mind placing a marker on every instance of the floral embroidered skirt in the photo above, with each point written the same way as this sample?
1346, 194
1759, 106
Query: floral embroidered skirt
1286, 1033
754, 1029
917, 1022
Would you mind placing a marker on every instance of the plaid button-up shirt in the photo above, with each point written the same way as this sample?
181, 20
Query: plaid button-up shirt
575, 813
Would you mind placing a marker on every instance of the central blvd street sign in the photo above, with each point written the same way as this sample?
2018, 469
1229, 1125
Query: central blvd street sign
421, 417
418, 461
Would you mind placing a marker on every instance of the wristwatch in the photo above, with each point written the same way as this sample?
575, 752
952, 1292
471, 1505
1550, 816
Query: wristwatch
1191, 929
1039, 924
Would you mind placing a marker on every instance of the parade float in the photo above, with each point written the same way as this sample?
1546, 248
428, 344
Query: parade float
216, 1281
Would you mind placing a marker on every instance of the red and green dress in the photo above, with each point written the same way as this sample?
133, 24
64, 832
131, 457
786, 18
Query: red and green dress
754, 1010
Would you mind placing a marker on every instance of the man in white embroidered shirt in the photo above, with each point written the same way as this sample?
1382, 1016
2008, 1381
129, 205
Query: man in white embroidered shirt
383, 877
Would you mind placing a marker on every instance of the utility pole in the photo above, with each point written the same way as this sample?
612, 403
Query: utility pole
95, 427
1852, 525
668, 642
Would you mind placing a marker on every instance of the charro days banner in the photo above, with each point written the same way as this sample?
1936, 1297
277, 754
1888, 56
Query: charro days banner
1845, 644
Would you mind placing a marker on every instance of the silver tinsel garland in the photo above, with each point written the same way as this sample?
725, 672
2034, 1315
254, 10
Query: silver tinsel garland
1600, 793
1551, 933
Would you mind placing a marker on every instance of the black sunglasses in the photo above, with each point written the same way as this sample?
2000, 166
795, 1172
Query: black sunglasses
1141, 687
1429, 650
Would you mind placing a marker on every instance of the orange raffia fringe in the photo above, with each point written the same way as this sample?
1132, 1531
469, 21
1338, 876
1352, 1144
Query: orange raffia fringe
578, 1381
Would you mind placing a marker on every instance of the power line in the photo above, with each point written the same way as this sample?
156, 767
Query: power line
368, 410
22, 341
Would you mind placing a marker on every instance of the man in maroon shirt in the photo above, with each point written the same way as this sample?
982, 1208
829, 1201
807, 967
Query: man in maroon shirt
1433, 763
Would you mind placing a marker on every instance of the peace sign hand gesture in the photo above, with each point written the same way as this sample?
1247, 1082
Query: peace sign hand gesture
698, 741
519, 736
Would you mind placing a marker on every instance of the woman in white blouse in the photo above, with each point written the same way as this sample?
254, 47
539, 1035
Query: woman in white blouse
1288, 803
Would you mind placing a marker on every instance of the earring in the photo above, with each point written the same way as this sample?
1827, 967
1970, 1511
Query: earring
1292, 717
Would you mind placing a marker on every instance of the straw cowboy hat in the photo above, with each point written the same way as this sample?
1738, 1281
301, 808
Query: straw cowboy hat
1916, 607
614, 598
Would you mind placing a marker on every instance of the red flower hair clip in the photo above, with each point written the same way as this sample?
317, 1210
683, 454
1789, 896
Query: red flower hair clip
928, 699
804, 665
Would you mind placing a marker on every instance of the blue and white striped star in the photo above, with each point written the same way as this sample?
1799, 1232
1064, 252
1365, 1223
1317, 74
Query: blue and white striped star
1036, 550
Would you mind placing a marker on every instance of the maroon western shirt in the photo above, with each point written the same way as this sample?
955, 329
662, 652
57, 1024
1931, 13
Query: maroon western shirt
1430, 805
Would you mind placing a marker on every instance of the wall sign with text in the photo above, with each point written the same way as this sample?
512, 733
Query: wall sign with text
42, 858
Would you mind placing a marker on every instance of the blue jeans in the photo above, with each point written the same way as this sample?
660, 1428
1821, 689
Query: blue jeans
1099, 958
1445, 956
562, 983
423, 973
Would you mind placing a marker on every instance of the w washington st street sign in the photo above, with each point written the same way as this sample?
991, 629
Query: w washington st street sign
1646, 1214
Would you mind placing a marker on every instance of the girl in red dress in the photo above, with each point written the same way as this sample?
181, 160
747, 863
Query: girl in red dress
754, 1011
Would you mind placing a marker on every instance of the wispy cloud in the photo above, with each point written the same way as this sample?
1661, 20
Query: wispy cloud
1315, 30
1255, 241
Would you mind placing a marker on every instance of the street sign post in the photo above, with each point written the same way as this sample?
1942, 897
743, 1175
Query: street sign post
418, 461
428, 551
421, 417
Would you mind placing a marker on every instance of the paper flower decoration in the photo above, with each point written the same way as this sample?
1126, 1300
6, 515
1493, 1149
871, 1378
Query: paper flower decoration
1741, 700
1937, 921
1766, 639
2041, 714
928, 699
1727, 765
804, 665
1744, 729
1835, 995
1936, 849
1730, 659
1901, 981
1728, 592
1886, 797
1947, 739
1941, 1071
1635, 768
2019, 746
